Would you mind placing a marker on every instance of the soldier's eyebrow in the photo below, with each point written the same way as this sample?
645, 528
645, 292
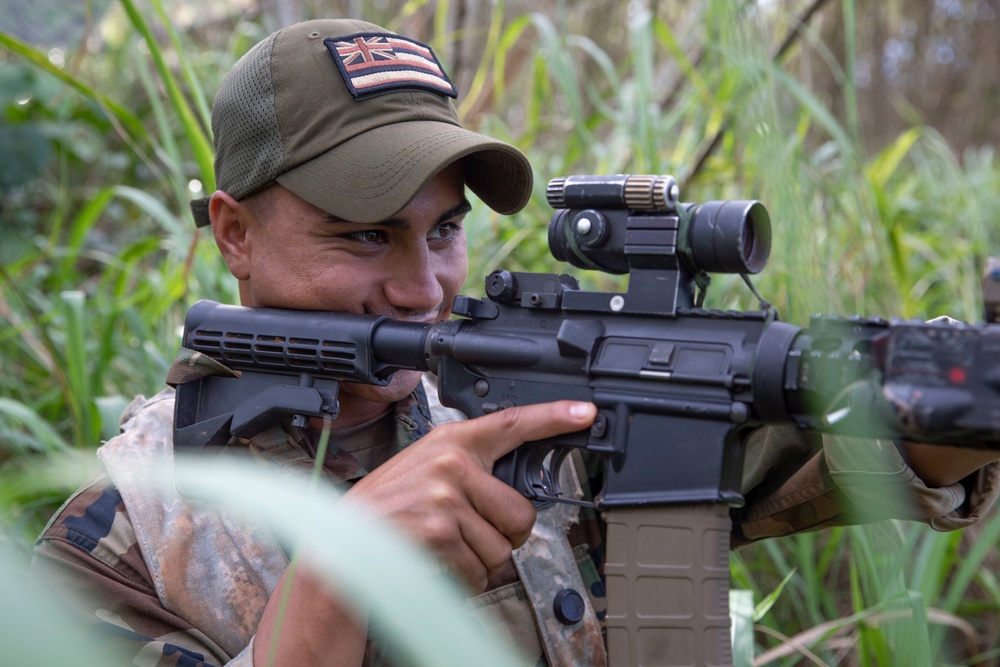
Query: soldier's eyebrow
461, 208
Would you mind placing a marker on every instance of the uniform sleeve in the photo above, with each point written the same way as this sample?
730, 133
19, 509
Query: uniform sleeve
89, 555
796, 482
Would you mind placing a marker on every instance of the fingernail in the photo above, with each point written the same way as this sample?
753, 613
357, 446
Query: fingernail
580, 409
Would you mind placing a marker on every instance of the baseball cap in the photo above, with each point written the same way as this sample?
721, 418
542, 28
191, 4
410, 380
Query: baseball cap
353, 119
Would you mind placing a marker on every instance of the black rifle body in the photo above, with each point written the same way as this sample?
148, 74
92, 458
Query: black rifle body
702, 377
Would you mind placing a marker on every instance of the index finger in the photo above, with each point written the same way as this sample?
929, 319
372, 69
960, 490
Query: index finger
493, 435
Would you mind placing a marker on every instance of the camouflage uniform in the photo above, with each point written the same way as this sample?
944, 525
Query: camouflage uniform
175, 585
795, 482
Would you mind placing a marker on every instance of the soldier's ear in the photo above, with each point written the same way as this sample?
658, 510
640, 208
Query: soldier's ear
230, 223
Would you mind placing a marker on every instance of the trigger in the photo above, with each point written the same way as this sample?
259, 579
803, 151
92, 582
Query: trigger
546, 486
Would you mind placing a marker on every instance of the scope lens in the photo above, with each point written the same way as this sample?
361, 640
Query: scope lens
749, 241
730, 236
756, 237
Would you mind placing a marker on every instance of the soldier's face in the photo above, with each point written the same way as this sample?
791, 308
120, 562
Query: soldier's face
409, 267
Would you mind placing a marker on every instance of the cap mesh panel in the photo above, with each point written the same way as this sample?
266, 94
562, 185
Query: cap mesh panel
248, 150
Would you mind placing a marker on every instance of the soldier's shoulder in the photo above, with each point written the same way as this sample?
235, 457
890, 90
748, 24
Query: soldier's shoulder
160, 406
95, 521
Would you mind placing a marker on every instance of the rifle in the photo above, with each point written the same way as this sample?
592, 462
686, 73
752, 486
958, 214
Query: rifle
678, 387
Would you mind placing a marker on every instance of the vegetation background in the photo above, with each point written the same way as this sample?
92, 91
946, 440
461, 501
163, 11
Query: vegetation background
868, 128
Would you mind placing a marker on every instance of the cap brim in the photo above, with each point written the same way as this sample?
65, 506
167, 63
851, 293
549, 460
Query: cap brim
373, 176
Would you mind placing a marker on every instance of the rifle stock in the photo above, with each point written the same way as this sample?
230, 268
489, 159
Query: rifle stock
677, 387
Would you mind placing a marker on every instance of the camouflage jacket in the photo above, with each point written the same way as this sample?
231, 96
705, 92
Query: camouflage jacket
173, 585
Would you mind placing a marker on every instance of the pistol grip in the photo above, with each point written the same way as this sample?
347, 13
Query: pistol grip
667, 575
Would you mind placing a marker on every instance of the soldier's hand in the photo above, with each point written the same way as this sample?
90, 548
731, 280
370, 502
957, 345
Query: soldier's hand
442, 492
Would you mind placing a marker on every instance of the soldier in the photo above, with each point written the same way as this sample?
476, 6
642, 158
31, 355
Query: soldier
342, 170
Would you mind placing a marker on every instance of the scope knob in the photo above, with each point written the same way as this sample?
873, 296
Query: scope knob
590, 228
501, 286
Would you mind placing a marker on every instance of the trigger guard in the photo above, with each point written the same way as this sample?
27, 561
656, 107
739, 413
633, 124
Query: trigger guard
533, 470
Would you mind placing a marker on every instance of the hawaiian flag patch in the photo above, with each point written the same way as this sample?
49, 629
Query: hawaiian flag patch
373, 63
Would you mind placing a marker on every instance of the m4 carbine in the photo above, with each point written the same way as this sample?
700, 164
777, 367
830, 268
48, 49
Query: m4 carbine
677, 387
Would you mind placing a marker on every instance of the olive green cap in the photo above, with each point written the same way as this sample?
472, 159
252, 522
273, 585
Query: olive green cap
354, 120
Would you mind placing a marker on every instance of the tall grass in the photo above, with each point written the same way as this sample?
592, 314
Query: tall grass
92, 305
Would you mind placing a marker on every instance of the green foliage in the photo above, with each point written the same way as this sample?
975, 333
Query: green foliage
100, 260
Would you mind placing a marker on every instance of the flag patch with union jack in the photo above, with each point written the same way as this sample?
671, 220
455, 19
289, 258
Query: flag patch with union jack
376, 62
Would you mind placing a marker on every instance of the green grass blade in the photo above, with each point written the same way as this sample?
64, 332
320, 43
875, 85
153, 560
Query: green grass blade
44, 438
168, 149
509, 39
193, 84
849, 90
765, 605
665, 35
816, 109
196, 137
483, 71
154, 208
80, 387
